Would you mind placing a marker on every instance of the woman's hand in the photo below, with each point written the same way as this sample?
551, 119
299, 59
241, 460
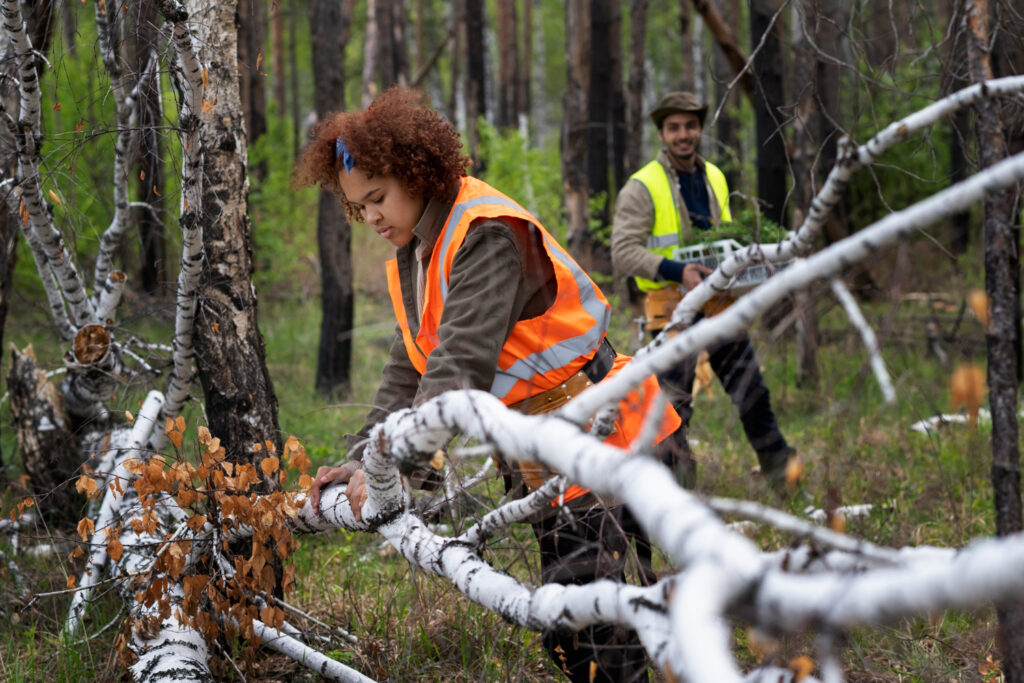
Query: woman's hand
351, 473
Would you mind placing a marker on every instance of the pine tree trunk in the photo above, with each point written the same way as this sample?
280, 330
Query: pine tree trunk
251, 34
723, 34
476, 78
727, 127
241, 407
1001, 273
953, 80
574, 134
507, 115
150, 173
330, 24
634, 151
598, 99
686, 76
277, 56
771, 147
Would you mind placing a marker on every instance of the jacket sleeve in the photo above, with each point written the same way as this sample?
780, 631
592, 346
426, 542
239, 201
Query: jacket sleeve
482, 307
399, 382
631, 226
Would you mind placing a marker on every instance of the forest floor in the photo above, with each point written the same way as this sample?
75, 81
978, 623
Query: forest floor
925, 488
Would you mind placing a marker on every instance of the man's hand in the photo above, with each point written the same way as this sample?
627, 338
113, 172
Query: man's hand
351, 473
693, 275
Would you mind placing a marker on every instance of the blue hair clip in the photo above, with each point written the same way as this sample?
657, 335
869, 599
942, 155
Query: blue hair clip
341, 152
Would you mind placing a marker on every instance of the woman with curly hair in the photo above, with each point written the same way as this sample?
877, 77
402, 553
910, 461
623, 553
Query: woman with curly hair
485, 298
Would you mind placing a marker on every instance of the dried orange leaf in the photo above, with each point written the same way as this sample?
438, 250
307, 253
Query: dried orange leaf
204, 435
175, 438
86, 485
179, 422
270, 465
196, 522
85, 527
305, 481
437, 460
967, 389
978, 301
802, 667
168, 426
115, 549
128, 416
71, 582
54, 197
257, 447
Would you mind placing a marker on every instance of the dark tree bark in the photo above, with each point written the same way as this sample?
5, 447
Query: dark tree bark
727, 126
598, 98
387, 68
507, 115
955, 78
371, 53
241, 406
476, 77
49, 450
458, 28
150, 173
1001, 274
277, 56
804, 180
617, 106
687, 78
771, 147
524, 73
635, 119
582, 245
330, 24
293, 81
252, 32
726, 39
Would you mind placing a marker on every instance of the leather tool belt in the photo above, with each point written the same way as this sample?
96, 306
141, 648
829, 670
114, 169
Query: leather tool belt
659, 304
535, 474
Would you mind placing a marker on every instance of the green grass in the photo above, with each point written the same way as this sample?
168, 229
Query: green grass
926, 489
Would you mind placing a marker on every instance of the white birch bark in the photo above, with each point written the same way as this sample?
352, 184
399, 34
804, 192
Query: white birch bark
850, 159
856, 318
27, 138
190, 83
125, 444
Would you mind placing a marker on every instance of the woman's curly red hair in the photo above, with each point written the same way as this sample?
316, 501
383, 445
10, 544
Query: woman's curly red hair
395, 136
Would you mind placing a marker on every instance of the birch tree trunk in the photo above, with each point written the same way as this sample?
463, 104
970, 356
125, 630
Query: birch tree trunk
241, 406
1001, 272
329, 27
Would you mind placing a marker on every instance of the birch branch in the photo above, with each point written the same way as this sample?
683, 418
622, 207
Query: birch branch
868, 335
666, 351
124, 105
850, 159
27, 137
132, 441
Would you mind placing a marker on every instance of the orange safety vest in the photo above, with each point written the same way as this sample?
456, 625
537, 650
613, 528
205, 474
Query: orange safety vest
541, 352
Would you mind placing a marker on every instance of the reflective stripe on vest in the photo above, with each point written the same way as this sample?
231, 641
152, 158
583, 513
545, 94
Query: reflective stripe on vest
667, 232
540, 352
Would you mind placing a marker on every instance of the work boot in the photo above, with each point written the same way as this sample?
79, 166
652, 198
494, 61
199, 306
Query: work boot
776, 464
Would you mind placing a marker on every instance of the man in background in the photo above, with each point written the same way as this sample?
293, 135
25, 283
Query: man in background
662, 207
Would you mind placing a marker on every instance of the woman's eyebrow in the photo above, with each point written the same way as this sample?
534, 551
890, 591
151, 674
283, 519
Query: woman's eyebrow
367, 195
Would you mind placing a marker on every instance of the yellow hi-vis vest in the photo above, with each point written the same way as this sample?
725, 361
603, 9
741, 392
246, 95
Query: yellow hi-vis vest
542, 352
669, 232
